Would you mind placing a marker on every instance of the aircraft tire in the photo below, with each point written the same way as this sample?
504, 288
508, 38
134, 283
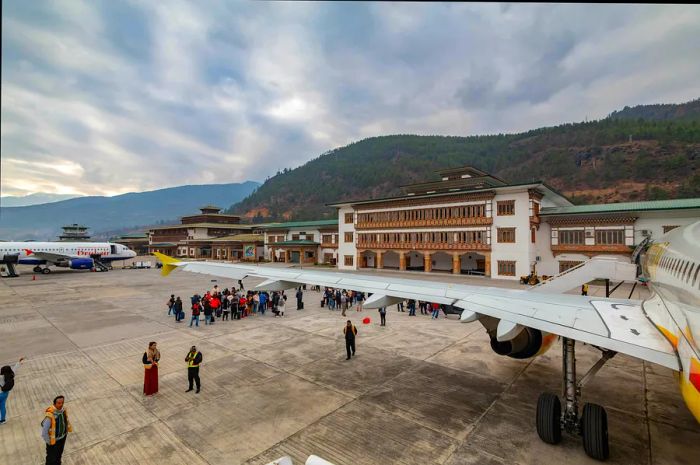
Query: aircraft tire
37, 269
549, 418
594, 431
45, 270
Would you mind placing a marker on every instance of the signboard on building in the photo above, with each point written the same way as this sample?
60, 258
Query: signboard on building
249, 251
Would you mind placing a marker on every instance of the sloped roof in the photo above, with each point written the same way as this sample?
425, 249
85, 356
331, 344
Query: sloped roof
240, 238
298, 224
676, 204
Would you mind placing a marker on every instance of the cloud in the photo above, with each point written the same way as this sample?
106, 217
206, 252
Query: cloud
110, 97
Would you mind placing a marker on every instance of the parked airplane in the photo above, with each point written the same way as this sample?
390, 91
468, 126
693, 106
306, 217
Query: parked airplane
663, 329
74, 255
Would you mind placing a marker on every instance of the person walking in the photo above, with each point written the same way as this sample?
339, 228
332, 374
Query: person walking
177, 308
350, 332
343, 303
193, 360
54, 430
240, 284
300, 296
150, 364
170, 303
382, 316
196, 310
7, 382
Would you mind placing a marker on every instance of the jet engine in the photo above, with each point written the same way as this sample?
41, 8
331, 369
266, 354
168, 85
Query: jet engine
81, 263
511, 339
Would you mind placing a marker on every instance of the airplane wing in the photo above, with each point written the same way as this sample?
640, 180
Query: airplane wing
615, 324
49, 256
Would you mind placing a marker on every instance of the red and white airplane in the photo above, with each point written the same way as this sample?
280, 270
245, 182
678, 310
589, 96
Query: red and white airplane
663, 329
74, 255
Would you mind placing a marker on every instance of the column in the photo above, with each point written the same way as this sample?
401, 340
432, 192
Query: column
285, 254
379, 265
402, 261
456, 263
487, 263
428, 262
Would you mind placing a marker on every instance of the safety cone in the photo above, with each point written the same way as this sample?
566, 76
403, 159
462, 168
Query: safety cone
33, 277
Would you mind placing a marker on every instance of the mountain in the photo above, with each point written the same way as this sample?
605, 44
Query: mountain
33, 199
43, 222
661, 112
640, 153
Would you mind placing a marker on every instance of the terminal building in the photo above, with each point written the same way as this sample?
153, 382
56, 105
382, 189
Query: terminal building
471, 222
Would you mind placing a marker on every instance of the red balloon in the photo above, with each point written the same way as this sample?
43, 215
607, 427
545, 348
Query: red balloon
366, 320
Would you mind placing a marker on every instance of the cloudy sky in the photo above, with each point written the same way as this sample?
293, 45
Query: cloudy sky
106, 97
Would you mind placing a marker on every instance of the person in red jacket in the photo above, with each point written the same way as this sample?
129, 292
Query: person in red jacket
196, 310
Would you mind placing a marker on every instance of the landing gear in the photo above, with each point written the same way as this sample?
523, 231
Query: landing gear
37, 269
592, 426
45, 270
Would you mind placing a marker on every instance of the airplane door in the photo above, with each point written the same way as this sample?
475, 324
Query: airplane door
113, 249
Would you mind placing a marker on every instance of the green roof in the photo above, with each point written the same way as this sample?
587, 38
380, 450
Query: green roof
298, 224
133, 236
240, 238
676, 204
296, 242
162, 244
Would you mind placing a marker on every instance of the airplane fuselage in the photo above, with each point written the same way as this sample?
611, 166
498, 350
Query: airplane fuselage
41, 253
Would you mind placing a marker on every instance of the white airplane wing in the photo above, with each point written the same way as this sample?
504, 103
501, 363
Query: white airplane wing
51, 257
615, 324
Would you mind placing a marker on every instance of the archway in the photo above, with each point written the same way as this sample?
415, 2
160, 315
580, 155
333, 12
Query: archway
368, 259
415, 261
442, 262
472, 263
390, 260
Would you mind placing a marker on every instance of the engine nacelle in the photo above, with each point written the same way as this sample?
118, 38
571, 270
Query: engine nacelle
81, 263
528, 343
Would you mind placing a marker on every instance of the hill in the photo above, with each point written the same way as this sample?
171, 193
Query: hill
43, 222
33, 199
618, 158
661, 112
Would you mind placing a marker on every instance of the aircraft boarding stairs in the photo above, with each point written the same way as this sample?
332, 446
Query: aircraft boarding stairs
599, 267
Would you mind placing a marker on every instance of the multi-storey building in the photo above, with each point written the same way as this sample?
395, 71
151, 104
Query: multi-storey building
306, 242
471, 222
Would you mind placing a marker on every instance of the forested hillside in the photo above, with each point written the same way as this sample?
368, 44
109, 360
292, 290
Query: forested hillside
634, 154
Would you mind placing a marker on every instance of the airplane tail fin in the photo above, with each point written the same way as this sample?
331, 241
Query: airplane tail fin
169, 263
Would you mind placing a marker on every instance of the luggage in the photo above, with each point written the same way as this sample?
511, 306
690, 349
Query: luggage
322, 302
301, 305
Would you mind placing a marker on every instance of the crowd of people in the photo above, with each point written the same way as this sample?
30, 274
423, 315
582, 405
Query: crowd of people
231, 304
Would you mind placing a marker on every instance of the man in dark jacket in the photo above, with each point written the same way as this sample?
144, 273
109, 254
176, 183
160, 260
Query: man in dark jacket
300, 296
350, 332
193, 360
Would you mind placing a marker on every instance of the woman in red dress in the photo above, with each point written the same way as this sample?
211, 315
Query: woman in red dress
150, 365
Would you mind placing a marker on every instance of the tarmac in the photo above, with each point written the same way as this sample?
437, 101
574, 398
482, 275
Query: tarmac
419, 391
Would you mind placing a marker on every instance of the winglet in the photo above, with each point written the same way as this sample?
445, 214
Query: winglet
169, 263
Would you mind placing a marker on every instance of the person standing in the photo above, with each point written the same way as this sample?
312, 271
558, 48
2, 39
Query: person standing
382, 316
399, 306
150, 364
360, 297
350, 332
54, 429
196, 310
262, 303
177, 308
7, 382
240, 284
225, 305
343, 303
411, 307
170, 303
193, 360
207, 312
300, 297
436, 311
584, 289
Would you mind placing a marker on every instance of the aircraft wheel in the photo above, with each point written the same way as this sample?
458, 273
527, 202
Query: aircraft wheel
594, 430
549, 418
45, 271
37, 269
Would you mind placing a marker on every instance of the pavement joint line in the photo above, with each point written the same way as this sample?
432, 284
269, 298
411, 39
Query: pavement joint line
495, 401
646, 411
